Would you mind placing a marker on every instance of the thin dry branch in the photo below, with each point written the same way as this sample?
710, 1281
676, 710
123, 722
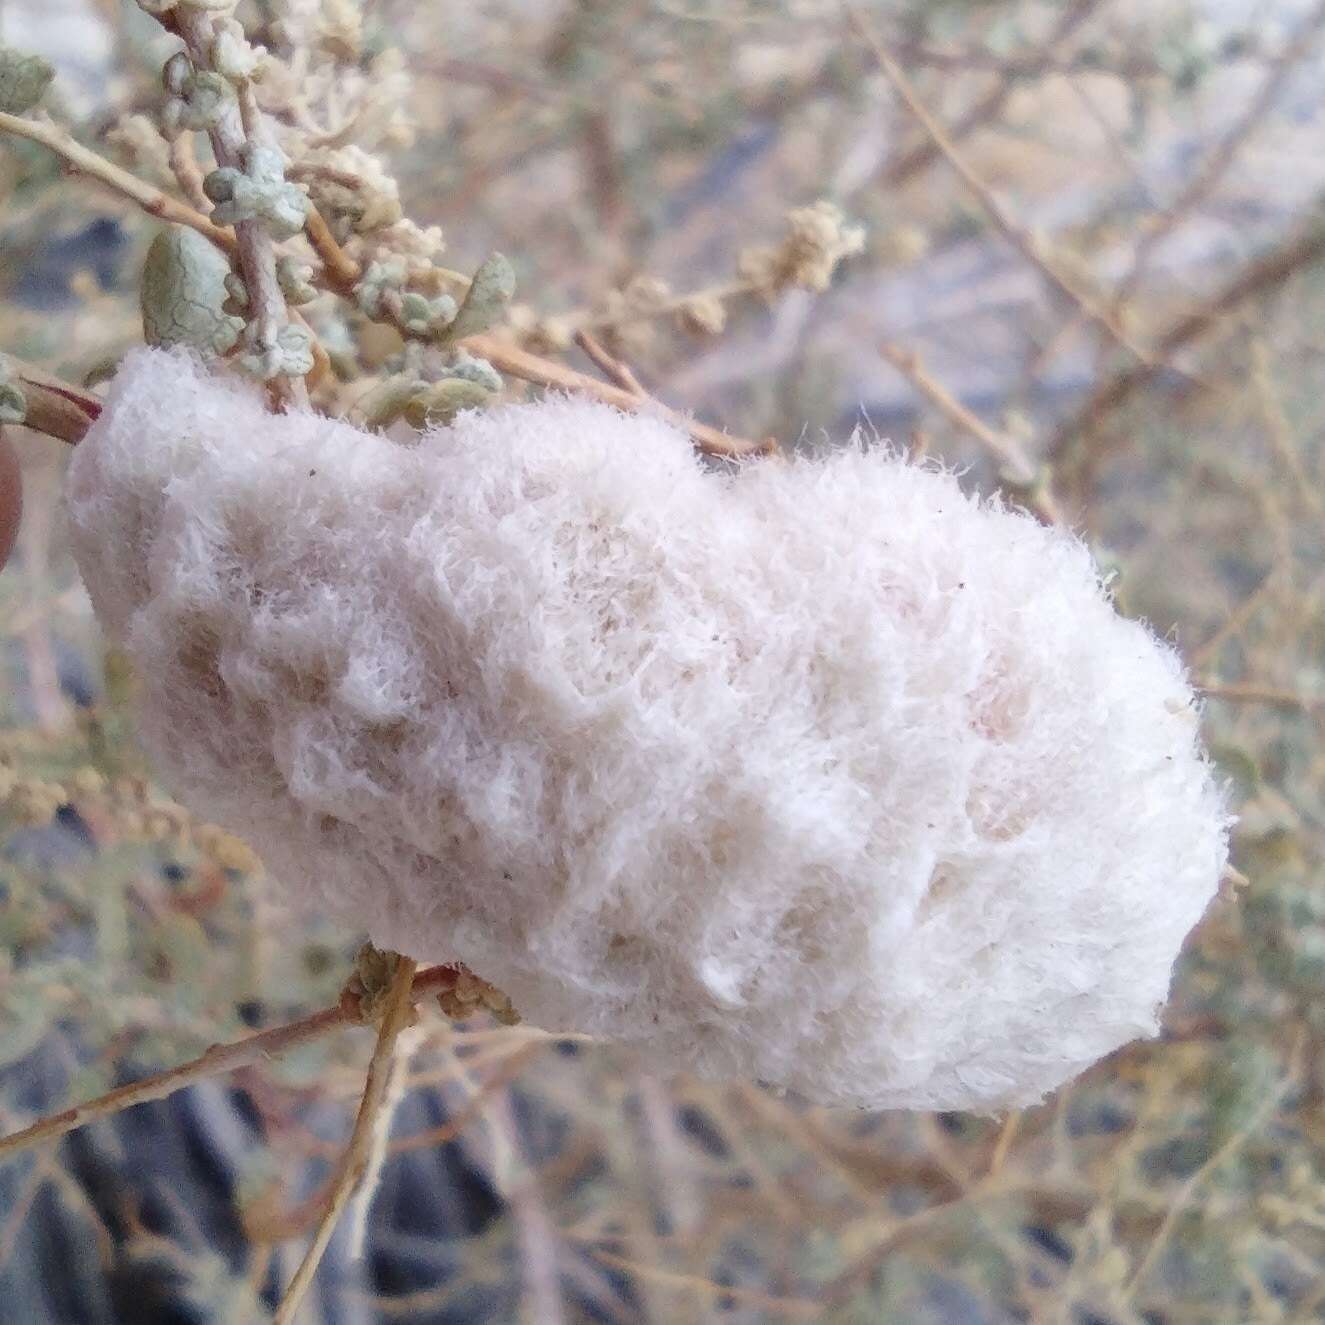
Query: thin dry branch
397, 1083
1258, 277
1225, 151
616, 370
508, 358
1251, 692
1017, 467
219, 1058
188, 174
1010, 75
80, 160
796, 1308
340, 272
1207, 1170
1002, 219
398, 1013
339, 269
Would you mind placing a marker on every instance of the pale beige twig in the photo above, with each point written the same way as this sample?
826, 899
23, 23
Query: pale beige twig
378, 1148
1207, 1170
1003, 221
1235, 621
81, 160
617, 370
797, 1308
219, 1058
509, 358
1003, 1146
1018, 468
1010, 76
188, 174
1258, 277
396, 1017
1251, 692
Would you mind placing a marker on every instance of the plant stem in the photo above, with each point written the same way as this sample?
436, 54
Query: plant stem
508, 358
1002, 219
399, 1010
219, 1058
1018, 467
81, 160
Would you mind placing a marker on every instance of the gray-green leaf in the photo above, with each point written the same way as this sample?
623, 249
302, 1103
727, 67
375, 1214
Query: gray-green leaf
23, 80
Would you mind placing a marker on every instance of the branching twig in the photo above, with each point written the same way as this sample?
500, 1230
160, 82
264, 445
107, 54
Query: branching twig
900, 169
235, 128
796, 1308
616, 370
1209, 1169
1017, 467
341, 272
1002, 219
1249, 692
397, 1083
394, 1020
219, 1058
1224, 152
83, 161
508, 358
1258, 277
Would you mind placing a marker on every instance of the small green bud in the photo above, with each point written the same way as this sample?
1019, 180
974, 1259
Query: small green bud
441, 402
421, 316
176, 72
296, 280
290, 355
469, 368
485, 303
232, 56
236, 292
13, 403
388, 402
377, 280
205, 98
258, 192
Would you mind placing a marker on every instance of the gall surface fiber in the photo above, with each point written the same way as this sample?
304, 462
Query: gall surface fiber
820, 773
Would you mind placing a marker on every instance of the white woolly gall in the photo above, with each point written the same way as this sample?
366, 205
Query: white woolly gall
818, 773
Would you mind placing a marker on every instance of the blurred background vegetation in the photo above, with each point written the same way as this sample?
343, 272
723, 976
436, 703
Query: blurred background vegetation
1117, 172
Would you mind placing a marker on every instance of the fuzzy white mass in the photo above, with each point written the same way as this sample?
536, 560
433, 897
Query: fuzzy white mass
820, 773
